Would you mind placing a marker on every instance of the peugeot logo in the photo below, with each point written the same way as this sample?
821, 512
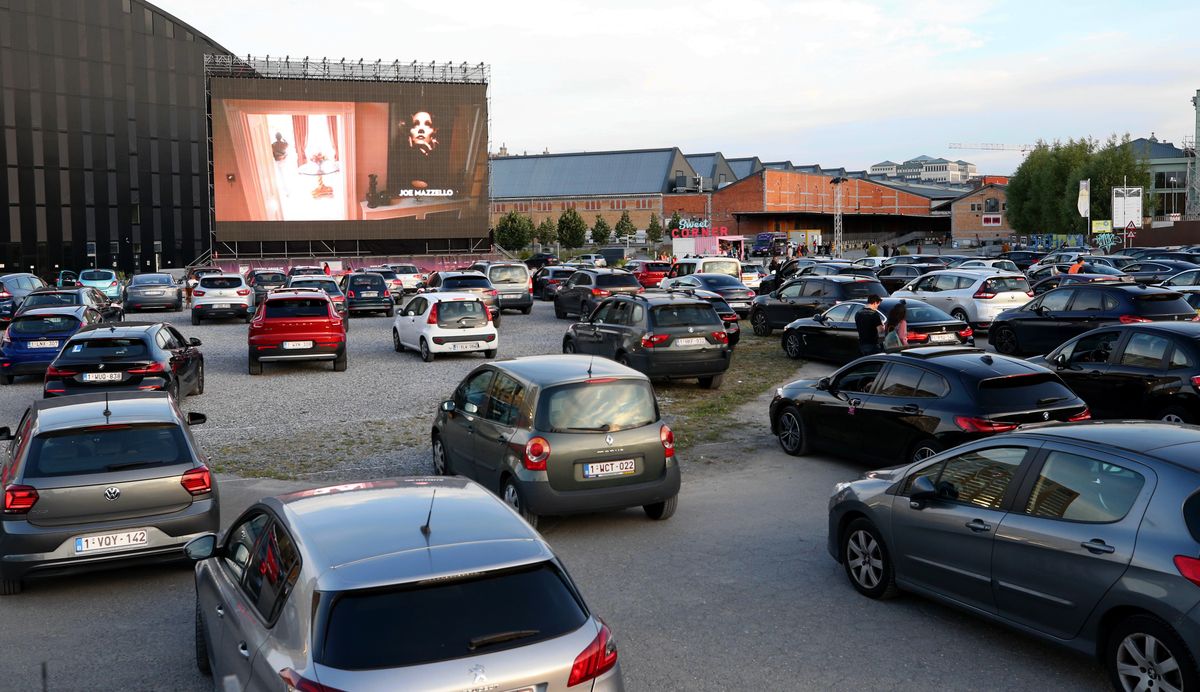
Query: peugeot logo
1045, 415
112, 493
608, 440
478, 672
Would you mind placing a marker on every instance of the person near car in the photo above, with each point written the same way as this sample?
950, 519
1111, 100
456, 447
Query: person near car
328, 271
870, 325
1076, 267
897, 324
774, 266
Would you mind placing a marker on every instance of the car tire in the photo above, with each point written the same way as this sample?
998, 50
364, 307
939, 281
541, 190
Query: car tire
712, 382
661, 511
10, 587
960, 315
390, 312
490, 353
199, 388
568, 346
922, 449
559, 312
195, 319
1170, 414
203, 662
396, 345
178, 306
6, 379
496, 319
255, 366
1126, 650
867, 562
758, 321
426, 354
511, 495
441, 462
793, 346
793, 432
527, 310
173, 390
339, 363
247, 317
1004, 340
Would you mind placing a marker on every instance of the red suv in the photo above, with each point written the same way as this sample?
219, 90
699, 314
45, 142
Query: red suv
648, 272
297, 324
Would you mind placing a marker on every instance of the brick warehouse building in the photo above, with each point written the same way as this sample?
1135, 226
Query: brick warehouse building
981, 216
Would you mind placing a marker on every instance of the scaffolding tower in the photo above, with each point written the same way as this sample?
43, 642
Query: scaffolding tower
1192, 205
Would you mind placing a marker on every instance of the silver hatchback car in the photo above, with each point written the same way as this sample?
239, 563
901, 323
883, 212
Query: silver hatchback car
408, 584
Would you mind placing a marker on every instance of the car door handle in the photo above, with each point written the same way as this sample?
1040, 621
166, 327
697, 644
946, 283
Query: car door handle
907, 408
979, 525
220, 610
1097, 546
243, 650
855, 402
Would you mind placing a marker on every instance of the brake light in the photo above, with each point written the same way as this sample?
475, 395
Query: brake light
1189, 567
983, 294
916, 337
552, 282
243, 292
1029, 293
149, 369
752, 294
433, 314
350, 293
113, 284
1083, 415
59, 372
197, 481
668, 441
652, 340
19, 499
529, 285
339, 299
197, 292
1132, 319
597, 659
1196, 381
5, 295
493, 293
386, 293
600, 293
600, 380
292, 682
982, 425
721, 337
966, 333
537, 451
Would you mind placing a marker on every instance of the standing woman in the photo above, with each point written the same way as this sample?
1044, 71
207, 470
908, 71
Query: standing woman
897, 328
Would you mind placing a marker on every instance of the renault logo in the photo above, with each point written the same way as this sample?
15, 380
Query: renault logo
112, 493
608, 440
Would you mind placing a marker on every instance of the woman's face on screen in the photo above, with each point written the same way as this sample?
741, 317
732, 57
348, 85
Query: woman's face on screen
422, 134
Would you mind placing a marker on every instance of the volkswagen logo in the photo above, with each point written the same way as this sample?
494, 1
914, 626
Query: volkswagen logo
112, 492
608, 440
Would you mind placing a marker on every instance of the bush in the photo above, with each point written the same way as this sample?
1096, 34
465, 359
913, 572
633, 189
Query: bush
514, 231
873, 250
902, 250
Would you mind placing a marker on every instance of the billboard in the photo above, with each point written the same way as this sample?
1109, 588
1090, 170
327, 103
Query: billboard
331, 160
1126, 207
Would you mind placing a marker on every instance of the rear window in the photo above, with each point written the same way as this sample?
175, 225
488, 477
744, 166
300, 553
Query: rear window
657, 266
42, 324
106, 448
455, 282
329, 286
616, 280
450, 311
366, 281
683, 315
406, 269
152, 280
439, 621
924, 313
273, 278
37, 299
305, 271
1006, 284
1152, 304
220, 282
730, 267
95, 275
385, 273
1023, 391
862, 289
597, 406
297, 307
722, 280
111, 348
509, 274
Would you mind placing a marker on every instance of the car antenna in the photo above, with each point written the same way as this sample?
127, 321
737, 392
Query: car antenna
429, 517
107, 412
593, 360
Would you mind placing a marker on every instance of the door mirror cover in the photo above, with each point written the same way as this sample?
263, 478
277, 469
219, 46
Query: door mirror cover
1060, 360
6, 433
824, 384
194, 341
922, 491
447, 406
194, 418
201, 547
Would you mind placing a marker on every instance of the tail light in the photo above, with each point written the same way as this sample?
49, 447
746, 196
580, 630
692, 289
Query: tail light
983, 294
339, 299
552, 282
537, 451
493, 293
5, 295
1132, 319
597, 659
292, 682
982, 425
652, 340
1196, 381
59, 372
149, 369
433, 315
966, 333
197, 292
1085, 414
350, 293
916, 337
19, 499
600, 293
529, 285
1029, 293
243, 292
387, 293
720, 337
197, 481
1189, 567
668, 441
113, 284
752, 294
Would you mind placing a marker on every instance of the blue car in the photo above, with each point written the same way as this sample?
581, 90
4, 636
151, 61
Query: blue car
34, 338
103, 279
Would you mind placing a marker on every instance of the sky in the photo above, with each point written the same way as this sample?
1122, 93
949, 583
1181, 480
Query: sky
838, 83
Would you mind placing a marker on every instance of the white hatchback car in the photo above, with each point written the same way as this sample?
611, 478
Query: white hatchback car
221, 296
1000, 265
409, 274
971, 295
597, 260
872, 262
433, 323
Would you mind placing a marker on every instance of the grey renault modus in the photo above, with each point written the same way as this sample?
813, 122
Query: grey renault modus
1086, 535
407, 584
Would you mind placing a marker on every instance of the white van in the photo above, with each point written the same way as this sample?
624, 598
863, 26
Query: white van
703, 265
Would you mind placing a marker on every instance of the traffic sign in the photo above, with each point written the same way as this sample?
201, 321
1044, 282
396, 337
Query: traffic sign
1130, 227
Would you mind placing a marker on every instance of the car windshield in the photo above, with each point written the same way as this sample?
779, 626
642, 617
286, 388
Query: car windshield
41, 299
603, 405
721, 281
1152, 304
1023, 392
617, 280
457, 282
220, 282
97, 275
104, 348
297, 307
683, 315
440, 619
270, 278
328, 285
656, 266
106, 448
508, 274
152, 280
861, 289
42, 324
730, 267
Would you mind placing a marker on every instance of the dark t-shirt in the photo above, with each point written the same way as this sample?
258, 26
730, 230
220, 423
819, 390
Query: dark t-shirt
868, 322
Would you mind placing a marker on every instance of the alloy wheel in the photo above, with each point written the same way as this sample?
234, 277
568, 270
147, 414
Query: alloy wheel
865, 559
439, 457
923, 452
511, 497
1173, 418
791, 346
790, 434
1146, 663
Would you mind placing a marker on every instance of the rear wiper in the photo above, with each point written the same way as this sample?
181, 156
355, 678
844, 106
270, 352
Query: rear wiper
601, 428
1051, 400
500, 638
131, 465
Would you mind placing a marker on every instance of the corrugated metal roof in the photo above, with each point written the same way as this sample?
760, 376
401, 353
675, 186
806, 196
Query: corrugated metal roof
809, 168
646, 171
924, 189
702, 163
885, 163
745, 166
780, 166
1153, 149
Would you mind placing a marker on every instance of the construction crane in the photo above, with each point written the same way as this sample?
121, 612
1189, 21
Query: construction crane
1023, 148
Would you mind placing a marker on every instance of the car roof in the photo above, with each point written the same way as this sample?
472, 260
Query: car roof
973, 362
118, 329
460, 272
658, 296
363, 535
224, 275
1171, 442
1185, 329
295, 293
51, 289
557, 369
603, 270
55, 310
80, 410
842, 278
442, 297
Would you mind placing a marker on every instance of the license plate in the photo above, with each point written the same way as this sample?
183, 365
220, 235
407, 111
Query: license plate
43, 344
293, 345
370, 294
154, 293
513, 295
110, 541
600, 469
101, 376
221, 306
465, 346
691, 341
942, 338
737, 304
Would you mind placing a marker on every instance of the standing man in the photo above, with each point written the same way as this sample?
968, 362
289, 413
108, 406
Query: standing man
870, 324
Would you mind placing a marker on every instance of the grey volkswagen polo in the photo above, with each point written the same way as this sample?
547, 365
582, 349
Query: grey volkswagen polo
1086, 535
406, 584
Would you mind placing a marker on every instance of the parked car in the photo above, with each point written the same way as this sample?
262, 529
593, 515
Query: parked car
737, 294
329, 287
1155, 271
808, 296
1047, 270
832, 335
305, 270
110, 311
195, 274
263, 281
871, 262
787, 271
702, 265
1022, 258
549, 279
34, 337
596, 259
974, 296
915, 259
1107, 512
66, 279
752, 276
1057, 280
390, 277
327, 584
664, 335
436, 323
131, 356
1173, 255
557, 435
466, 282
587, 287
221, 296
649, 273
894, 277
1062, 313
96, 481
917, 403
104, 280
831, 268
367, 292
13, 289
541, 259
410, 275
1002, 265
513, 284
1188, 277
152, 291
296, 324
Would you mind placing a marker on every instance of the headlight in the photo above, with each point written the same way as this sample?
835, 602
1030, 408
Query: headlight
779, 392
840, 487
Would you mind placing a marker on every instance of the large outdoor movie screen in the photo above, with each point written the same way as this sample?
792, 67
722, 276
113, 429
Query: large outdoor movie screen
343, 160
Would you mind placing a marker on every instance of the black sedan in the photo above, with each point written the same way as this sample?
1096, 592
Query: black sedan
1143, 370
153, 291
1022, 258
787, 271
917, 403
896, 276
832, 336
1095, 268
1174, 255
1057, 280
110, 310
131, 356
541, 259
733, 291
807, 296
1155, 271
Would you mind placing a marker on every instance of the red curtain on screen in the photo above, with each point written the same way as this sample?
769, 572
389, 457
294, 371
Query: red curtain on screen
300, 129
333, 135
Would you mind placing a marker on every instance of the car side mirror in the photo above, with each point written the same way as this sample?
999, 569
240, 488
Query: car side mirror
447, 406
1041, 310
921, 493
201, 547
821, 318
194, 418
5, 433
1060, 360
194, 341
824, 384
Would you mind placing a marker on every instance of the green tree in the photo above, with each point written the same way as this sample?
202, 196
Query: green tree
547, 232
676, 219
624, 227
572, 229
514, 231
600, 231
1116, 164
654, 230
1038, 198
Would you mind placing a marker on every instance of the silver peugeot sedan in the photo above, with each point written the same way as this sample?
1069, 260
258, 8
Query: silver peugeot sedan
1086, 535
424, 583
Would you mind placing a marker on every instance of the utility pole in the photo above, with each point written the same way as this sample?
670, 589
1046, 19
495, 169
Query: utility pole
837, 214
